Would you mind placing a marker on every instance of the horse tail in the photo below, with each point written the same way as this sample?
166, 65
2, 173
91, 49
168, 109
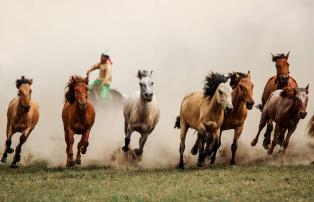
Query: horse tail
177, 124
310, 127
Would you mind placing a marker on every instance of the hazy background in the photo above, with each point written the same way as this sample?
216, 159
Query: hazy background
180, 40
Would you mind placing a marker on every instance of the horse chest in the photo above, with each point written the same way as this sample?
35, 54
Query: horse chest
21, 124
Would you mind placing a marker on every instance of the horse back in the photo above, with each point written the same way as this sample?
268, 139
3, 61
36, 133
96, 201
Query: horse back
272, 85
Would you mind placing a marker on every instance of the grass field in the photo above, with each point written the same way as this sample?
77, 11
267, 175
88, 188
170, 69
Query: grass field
37, 182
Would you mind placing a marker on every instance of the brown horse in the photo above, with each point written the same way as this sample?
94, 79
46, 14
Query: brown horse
23, 115
204, 112
242, 100
280, 81
286, 107
78, 117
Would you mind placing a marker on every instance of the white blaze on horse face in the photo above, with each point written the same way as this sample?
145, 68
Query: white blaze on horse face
146, 86
303, 97
224, 96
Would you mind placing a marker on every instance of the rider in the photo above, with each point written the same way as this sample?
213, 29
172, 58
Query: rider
104, 79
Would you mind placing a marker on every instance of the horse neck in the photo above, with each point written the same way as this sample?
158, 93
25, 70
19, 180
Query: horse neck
80, 111
214, 106
20, 110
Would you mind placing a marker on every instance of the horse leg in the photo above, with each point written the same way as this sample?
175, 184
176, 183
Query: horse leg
69, 138
194, 149
202, 151
82, 147
281, 137
216, 146
260, 128
127, 140
286, 142
234, 146
8, 143
142, 141
267, 134
274, 142
17, 156
183, 130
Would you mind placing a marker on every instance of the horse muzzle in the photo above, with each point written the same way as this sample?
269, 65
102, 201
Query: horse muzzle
26, 108
249, 105
82, 105
148, 97
284, 80
303, 115
229, 109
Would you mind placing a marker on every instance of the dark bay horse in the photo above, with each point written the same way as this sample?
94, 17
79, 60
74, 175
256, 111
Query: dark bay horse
22, 115
285, 107
78, 117
280, 81
242, 100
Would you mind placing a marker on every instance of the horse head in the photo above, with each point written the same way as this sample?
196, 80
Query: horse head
224, 95
302, 97
77, 91
245, 93
24, 92
282, 66
146, 84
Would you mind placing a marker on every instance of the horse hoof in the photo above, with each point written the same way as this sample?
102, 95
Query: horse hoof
11, 151
4, 160
84, 151
270, 152
138, 152
125, 149
70, 163
200, 164
232, 163
181, 166
253, 143
78, 161
194, 151
13, 165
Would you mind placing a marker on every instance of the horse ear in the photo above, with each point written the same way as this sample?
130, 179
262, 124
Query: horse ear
139, 74
151, 73
307, 88
287, 56
249, 74
273, 57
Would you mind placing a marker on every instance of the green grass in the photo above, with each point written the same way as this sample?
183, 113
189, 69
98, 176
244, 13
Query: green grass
222, 183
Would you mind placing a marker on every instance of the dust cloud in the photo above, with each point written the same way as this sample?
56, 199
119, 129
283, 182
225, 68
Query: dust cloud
180, 40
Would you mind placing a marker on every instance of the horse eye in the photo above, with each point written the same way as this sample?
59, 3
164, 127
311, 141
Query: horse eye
220, 92
152, 83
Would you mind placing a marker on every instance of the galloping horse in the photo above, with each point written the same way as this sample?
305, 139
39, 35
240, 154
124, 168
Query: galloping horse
23, 115
141, 112
78, 117
242, 100
286, 107
280, 81
204, 112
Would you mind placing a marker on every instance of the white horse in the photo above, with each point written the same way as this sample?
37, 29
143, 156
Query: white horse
141, 112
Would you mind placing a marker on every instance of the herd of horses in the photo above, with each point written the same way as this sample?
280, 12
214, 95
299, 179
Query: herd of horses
223, 105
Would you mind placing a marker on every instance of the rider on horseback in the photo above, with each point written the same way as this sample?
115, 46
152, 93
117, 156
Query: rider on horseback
104, 79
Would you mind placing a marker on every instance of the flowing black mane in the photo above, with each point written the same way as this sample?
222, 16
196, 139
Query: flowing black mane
70, 93
235, 78
212, 82
278, 56
22, 81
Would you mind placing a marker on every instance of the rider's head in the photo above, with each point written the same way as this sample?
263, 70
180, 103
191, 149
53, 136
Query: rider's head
104, 58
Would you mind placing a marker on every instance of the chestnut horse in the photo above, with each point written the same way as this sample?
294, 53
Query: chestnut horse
23, 115
204, 112
78, 117
280, 81
242, 100
286, 107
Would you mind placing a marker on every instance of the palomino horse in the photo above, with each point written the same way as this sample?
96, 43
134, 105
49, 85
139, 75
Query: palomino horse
141, 112
280, 81
23, 115
286, 107
204, 112
242, 100
78, 117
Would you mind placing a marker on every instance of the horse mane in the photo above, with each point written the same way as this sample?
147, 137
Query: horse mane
288, 92
70, 93
235, 78
212, 81
23, 80
278, 56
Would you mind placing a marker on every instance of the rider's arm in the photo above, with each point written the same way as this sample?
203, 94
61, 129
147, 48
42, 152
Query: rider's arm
92, 68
